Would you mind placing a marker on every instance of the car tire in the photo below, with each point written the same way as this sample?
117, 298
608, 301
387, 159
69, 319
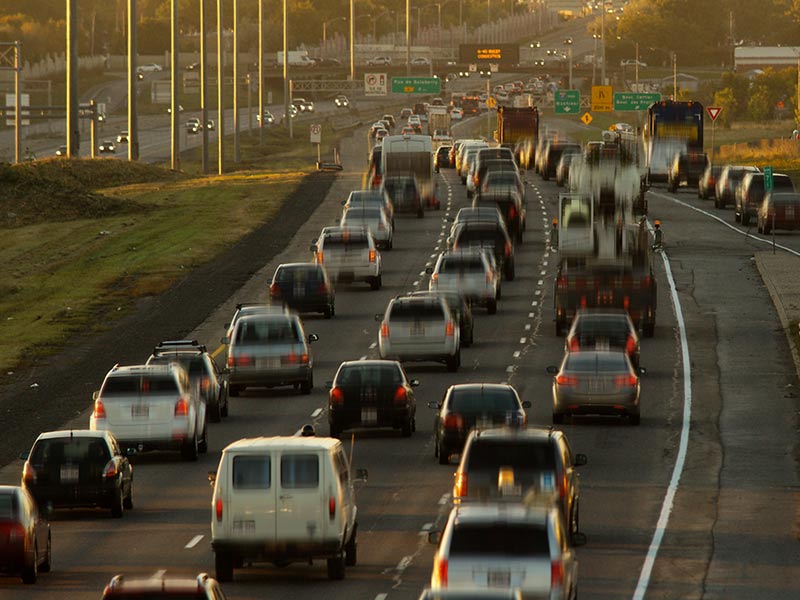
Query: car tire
390, 244
215, 412
328, 311
334, 430
351, 548
336, 567
307, 385
634, 418
202, 445
189, 450
29, 574
223, 566
558, 418
744, 217
454, 362
443, 454
420, 212
408, 427
117, 504
491, 307
127, 501
376, 282
47, 564
510, 271
649, 329
233, 391
224, 409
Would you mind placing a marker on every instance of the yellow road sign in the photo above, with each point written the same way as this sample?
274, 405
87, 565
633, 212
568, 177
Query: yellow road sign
586, 118
491, 102
602, 98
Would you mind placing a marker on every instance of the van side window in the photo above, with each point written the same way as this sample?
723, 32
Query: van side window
299, 471
252, 472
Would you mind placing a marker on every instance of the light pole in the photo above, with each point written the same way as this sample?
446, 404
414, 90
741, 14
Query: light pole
220, 93
595, 36
260, 72
408, 37
603, 45
325, 32
236, 153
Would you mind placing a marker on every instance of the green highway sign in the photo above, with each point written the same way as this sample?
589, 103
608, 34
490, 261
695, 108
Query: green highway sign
567, 102
415, 85
634, 100
768, 181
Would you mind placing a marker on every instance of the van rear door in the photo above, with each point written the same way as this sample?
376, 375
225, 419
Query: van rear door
303, 496
251, 512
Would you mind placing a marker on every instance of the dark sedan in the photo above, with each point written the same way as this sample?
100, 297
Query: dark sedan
25, 546
372, 393
78, 469
468, 406
304, 287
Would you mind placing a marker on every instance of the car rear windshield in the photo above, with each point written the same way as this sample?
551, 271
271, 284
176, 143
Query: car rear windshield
252, 472
267, 330
499, 539
309, 273
299, 471
8, 506
416, 311
501, 178
362, 214
481, 399
478, 237
590, 362
520, 455
193, 363
375, 375
596, 326
471, 264
140, 384
77, 450
352, 241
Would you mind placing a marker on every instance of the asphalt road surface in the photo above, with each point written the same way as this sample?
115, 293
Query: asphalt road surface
732, 530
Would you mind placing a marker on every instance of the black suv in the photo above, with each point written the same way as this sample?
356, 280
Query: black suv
482, 234
532, 461
78, 469
510, 205
304, 287
751, 192
205, 376
687, 167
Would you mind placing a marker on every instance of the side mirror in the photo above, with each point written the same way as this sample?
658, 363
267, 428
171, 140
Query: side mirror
428, 270
414, 382
434, 405
378, 317
24, 455
641, 371
130, 451
225, 371
212, 477
580, 460
552, 369
345, 201
579, 539
313, 247
434, 537
225, 340
95, 394
361, 475
526, 404
312, 337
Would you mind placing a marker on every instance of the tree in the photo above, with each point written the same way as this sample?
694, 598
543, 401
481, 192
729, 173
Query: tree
726, 100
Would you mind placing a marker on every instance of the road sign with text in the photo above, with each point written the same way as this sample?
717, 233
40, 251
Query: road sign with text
634, 100
567, 102
602, 98
415, 85
375, 84
768, 180
316, 133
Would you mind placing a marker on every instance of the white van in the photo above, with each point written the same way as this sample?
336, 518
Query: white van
283, 500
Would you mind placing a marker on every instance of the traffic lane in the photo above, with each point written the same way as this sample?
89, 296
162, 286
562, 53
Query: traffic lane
739, 489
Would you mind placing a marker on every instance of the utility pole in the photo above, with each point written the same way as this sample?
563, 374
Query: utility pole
17, 102
220, 93
603, 46
93, 127
236, 151
175, 120
260, 72
286, 116
73, 133
203, 86
352, 40
133, 121
408, 37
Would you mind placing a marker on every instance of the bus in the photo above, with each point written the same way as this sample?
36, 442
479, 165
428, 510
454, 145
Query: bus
671, 127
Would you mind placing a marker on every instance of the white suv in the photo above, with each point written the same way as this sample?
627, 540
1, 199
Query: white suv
151, 407
349, 254
506, 546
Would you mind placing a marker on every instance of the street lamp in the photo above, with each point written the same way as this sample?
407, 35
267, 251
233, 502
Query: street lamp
325, 32
595, 36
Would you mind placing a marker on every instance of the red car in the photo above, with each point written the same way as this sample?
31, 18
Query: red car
24, 535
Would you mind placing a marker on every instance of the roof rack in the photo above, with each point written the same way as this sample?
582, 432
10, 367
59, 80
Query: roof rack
176, 345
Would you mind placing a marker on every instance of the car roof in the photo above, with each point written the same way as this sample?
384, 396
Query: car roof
119, 371
517, 512
482, 386
79, 433
375, 362
299, 265
258, 444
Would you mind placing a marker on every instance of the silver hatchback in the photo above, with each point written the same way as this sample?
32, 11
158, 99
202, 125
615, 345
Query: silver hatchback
468, 272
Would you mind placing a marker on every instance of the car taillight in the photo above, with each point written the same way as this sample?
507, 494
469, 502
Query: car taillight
372, 256
110, 470
205, 383
293, 358
440, 572
385, 329
562, 486
460, 490
331, 508
630, 345
181, 408
449, 329
454, 421
241, 361
626, 380
400, 396
218, 509
99, 410
16, 533
337, 396
566, 380
28, 473
512, 212
556, 573
274, 290
319, 257
508, 249
626, 302
573, 344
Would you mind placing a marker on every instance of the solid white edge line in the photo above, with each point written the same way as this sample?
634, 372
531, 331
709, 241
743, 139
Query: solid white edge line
680, 460
194, 541
159, 574
381, 596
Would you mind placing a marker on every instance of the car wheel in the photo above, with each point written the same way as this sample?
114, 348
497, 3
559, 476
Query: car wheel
328, 311
376, 282
233, 391
407, 427
454, 361
215, 412
307, 385
351, 548
30, 573
224, 410
223, 565
420, 212
336, 567
558, 418
443, 453
634, 418
189, 449
649, 329
117, 504
510, 271
202, 445
491, 307
48, 557
745, 218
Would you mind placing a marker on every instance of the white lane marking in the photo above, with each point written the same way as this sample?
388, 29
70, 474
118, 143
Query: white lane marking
540, 282
517, 353
317, 412
530, 315
422, 273
403, 564
444, 499
546, 254
373, 345
537, 292
534, 303
196, 539
680, 459
510, 369
728, 225
416, 283
159, 574
523, 340
362, 357
527, 327
542, 272
427, 526
433, 256
544, 264
381, 596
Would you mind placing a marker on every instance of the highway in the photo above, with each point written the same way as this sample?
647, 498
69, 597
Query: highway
731, 532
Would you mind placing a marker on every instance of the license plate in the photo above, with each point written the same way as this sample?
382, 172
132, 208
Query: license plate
499, 579
602, 343
244, 526
597, 387
271, 362
69, 473
140, 410
369, 416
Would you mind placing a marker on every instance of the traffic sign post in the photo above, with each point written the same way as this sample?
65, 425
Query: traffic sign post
316, 138
713, 112
769, 185
602, 98
567, 102
375, 84
631, 101
416, 85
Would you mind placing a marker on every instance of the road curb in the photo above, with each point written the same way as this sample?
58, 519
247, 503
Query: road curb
769, 276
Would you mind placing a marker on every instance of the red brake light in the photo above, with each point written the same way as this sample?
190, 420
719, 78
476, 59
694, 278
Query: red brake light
626, 380
573, 344
99, 410
440, 572
562, 486
461, 485
556, 573
331, 508
454, 421
110, 470
205, 383
630, 345
400, 395
508, 249
241, 361
512, 212
218, 508
385, 329
274, 290
449, 329
337, 396
566, 380
181, 408
16, 533
372, 256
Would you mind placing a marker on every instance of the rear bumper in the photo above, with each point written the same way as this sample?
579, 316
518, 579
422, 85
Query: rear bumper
154, 437
74, 496
385, 417
588, 404
269, 378
278, 551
